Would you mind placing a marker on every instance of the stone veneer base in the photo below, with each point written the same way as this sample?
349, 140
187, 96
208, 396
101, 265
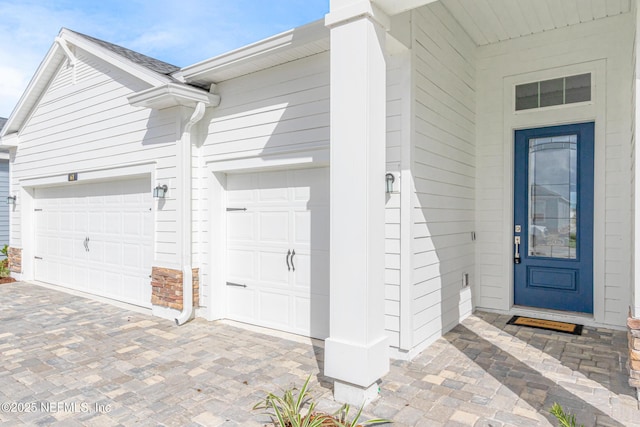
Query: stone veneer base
166, 287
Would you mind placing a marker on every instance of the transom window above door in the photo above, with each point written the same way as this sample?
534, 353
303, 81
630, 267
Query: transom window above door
546, 93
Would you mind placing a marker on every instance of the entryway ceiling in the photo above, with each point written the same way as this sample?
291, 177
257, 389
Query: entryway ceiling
492, 21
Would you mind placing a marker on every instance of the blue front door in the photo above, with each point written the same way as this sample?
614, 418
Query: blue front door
553, 218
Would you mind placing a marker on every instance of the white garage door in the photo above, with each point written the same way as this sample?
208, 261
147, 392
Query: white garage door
278, 250
96, 238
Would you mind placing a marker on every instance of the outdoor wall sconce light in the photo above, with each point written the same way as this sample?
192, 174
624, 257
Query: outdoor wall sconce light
160, 191
389, 179
11, 200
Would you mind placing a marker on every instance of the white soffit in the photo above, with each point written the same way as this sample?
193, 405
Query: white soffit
393, 7
294, 44
493, 21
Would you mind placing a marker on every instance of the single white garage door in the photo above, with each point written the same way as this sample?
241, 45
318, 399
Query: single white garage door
278, 250
96, 238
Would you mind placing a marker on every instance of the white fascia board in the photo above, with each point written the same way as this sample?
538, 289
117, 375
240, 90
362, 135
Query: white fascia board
136, 70
170, 95
9, 141
296, 37
38, 84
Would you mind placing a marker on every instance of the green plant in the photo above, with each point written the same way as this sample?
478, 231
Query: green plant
564, 420
5, 251
289, 410
342, 417
4, 270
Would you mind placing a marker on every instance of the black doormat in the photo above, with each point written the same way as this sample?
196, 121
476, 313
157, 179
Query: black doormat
550, 325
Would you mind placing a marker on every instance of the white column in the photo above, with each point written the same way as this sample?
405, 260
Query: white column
356, 353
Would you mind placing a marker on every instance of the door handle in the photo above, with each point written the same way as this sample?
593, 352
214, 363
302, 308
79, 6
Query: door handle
87, 244
86, 248
293, 267
516, 242
288, 254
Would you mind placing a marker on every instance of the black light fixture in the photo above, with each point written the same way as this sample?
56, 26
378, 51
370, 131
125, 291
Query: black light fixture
389, 179
160, 191
11, 200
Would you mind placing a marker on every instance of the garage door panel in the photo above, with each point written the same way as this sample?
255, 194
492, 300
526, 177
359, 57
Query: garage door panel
132, 255
96, 222
80, 222
302, 308
272, 187
274, 309
242, 303
272, 272
113, 222
274, 227
131, 224
241, 264
240, 226
302, 227
302, 274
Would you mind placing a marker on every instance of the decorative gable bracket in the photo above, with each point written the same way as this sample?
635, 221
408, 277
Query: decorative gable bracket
69, 54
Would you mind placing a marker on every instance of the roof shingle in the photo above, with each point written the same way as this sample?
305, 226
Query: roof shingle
153, 64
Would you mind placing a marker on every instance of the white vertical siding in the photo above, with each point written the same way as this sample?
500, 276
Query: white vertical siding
609, 41
444, 172
90, 125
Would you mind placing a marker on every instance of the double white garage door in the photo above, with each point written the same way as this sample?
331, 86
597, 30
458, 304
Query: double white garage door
278, 250
96, 238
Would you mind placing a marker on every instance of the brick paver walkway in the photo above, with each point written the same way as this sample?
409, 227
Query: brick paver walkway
71, 361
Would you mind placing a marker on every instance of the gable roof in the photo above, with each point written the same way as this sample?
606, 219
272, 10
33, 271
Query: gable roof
154, 72
153, 64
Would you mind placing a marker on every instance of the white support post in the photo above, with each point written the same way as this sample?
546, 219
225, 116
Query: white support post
356, 352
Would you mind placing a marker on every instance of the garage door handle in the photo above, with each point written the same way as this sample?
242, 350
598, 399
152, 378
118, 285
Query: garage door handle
288, 254
293, 267
237, 285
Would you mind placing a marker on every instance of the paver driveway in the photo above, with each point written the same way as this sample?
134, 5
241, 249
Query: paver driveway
68, 361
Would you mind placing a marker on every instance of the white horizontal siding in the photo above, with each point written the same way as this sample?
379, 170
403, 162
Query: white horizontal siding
89, 125
396, 98
444, 172
281, 108
610, 39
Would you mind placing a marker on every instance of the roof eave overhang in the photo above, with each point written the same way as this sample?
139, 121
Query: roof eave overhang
9, 140
288, 41
49, 66
172, 95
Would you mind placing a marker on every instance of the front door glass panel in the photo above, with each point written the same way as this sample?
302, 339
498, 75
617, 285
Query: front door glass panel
553, 197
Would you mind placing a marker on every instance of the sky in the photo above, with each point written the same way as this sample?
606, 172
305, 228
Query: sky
180, 32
